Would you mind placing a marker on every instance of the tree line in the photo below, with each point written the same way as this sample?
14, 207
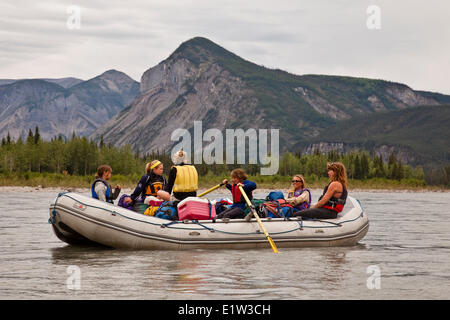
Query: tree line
81, 156
75, 156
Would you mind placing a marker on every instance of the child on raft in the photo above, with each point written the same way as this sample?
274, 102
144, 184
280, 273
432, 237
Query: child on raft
236, 210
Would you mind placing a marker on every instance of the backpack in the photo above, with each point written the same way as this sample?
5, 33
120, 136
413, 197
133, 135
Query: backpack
278, 209
167, 210
275, 195
122, 204
259, 207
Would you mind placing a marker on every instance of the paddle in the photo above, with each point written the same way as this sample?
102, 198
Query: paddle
252, 208
209, 190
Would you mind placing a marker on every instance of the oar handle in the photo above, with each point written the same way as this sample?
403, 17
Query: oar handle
209, 190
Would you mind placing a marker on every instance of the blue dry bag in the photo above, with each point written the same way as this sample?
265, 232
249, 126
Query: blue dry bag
275, 195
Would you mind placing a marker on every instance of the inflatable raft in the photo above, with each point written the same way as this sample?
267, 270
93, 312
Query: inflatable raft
78, 219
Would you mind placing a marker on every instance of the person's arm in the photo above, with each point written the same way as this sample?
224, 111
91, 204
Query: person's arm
304, 197
172, 176
116, 192
100, 189
332, 189
249, 186
139, 188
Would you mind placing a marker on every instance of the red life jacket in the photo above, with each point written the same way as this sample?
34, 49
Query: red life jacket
237, 195
335, 204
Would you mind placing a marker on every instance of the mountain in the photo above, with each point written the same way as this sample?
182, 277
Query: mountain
201, 80
6, 81
63, 106
63, 82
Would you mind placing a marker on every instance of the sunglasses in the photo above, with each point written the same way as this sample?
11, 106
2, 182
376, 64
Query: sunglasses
294, 181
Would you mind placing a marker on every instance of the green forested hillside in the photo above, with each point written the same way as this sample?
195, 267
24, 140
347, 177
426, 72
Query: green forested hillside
424, 131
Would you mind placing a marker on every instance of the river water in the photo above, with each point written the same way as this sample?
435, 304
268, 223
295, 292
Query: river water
405, 255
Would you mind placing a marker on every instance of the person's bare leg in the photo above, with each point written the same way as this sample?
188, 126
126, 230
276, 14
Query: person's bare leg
164, 195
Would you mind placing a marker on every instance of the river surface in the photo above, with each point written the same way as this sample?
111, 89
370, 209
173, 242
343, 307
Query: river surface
405, 255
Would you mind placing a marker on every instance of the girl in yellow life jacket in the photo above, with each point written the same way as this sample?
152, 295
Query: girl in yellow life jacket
150, 183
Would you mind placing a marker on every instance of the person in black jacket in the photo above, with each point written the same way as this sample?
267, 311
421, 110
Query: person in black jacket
149, 184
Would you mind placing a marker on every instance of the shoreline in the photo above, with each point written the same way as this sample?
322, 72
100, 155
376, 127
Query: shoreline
265, 190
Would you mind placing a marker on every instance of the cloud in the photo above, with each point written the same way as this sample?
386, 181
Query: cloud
302, 37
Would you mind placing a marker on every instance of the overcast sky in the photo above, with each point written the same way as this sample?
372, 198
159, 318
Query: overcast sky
412, 45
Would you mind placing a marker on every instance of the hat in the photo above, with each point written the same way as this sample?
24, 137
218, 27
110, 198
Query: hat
179, 157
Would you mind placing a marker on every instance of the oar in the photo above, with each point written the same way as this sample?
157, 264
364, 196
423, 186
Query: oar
252, 208
209, 190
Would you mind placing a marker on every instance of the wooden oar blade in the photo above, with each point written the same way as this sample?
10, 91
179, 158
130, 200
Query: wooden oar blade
252, 208
272, 244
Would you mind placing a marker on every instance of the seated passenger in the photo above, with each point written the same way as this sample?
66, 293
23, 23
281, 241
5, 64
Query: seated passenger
237, 209
101, 189
150, 183
183, 179
334, 195
299, 197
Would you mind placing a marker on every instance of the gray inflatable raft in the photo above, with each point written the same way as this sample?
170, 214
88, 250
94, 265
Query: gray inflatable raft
78, 219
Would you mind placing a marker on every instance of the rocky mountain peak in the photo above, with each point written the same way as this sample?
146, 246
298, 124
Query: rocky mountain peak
113, 74
110, 76
200, 50
192, 58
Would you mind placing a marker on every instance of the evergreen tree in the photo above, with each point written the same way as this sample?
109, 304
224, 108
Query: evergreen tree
358, 169
392, 160
378, 164
364, 165
446, 175
37, 136
399, 174
394, 171
30, 138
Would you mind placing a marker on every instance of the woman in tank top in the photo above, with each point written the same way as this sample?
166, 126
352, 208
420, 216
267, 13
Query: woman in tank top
333, 197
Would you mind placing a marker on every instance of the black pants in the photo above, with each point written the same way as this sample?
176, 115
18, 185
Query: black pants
316, 213
231, 213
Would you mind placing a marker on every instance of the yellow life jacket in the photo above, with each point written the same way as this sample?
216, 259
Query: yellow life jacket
150, 211
186, 180
153, 188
